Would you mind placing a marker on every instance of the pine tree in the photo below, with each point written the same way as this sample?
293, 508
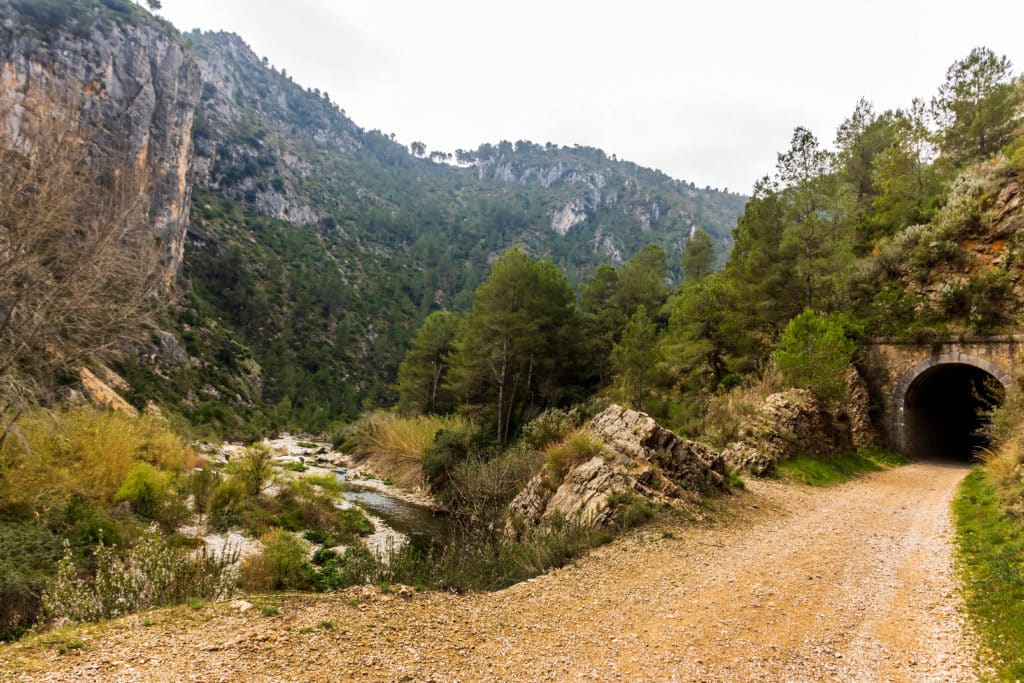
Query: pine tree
699, 256
424, 370
634, 358
516, 351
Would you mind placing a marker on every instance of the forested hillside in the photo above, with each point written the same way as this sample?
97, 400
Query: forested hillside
317, 246
907, 226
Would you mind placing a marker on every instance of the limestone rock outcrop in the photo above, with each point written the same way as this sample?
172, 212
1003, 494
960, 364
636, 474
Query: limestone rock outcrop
787, 424
639, 458
102, 394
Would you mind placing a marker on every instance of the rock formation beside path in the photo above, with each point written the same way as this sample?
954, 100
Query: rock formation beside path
787, 424
638, 458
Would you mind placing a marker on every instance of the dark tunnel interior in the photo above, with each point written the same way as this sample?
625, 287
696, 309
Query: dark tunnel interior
944, 411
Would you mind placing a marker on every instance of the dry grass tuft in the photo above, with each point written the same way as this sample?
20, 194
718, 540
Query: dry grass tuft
728, 412
392, 446
50, 456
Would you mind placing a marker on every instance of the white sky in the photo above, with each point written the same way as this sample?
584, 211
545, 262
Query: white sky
707, 92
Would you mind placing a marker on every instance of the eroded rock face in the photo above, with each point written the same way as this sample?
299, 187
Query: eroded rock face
640, 458
858, 410
136, 90
788, 424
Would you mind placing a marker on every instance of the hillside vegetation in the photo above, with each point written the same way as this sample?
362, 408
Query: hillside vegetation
907, 228
317, 246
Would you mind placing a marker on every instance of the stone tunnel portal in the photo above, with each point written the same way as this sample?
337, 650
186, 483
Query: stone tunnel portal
943, 408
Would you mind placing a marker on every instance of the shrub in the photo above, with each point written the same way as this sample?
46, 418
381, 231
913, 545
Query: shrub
281, 565
552, 425
357, 566
351, 523
253, 468
85, 526
145, 489
814, 353
324, 555
201, 485
150, 574
395, 446
481, 489
451, 447
227, 505
54, 456
29, 553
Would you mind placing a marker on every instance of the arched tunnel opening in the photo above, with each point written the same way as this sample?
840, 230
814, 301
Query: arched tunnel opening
945, 412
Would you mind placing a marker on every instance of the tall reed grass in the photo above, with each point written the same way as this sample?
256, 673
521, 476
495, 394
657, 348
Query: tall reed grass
392, 446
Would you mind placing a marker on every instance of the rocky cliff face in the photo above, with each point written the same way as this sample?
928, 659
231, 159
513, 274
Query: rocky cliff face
135, 89
612, 206
263, 139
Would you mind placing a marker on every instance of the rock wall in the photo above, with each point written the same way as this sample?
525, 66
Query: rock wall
136, 90
858, 410
787, 424
639, 458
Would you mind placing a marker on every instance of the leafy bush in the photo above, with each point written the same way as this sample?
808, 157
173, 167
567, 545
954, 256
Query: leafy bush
227, 505
357, 566
28, 557
201, 485
145, 489
281, 565
352, 523
253, 468
449, 448
322, 556
814, 353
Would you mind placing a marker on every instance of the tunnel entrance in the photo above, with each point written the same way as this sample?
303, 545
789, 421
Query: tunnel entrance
944, 409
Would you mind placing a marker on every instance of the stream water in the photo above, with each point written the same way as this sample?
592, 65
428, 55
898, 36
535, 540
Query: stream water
422, 525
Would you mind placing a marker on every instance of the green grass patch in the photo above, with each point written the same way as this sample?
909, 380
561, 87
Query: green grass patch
990, 547
328, 482
835, 469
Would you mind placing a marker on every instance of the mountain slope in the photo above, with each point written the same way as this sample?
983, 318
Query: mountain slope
317, 246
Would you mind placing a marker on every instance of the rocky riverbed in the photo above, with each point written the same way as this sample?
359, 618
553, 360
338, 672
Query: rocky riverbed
396, 514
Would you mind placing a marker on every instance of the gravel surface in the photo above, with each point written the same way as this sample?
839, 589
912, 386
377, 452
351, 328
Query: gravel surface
852, 583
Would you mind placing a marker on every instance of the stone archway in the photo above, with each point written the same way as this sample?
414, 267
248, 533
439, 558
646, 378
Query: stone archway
936, 404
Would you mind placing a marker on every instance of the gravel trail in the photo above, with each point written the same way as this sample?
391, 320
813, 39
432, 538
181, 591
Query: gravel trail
852, 583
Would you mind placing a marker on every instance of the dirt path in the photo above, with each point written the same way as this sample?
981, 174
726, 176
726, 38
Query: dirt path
853, 583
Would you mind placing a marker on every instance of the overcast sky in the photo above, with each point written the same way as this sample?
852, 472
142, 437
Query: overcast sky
707, 92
